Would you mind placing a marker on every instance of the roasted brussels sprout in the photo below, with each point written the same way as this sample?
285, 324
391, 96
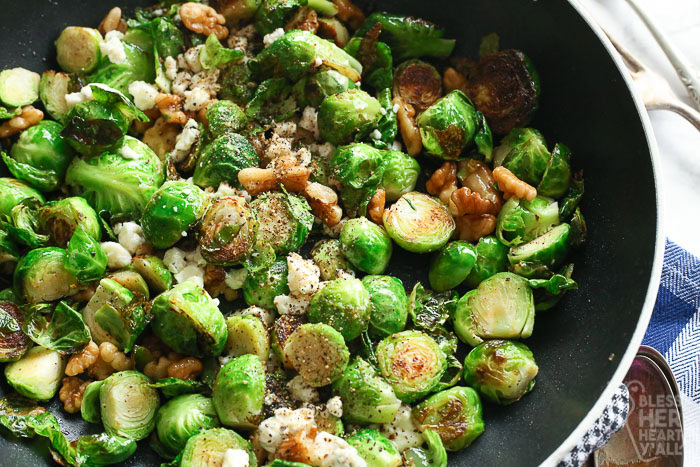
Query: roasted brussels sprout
37, 375
418, 83
188, 320
375, 449
376, 60
452, 123
366, 245
93, 127
78, 49
116, 183
154, 272
60, 219
12, 192
284, 221
90, 406
412, 362
128, 405
22, 224
261, 287
13, 342
430, 310
358, 168
330, 259
502, 307
342, 115
208, 448
343, 304
491, 257
318, 353
524, 152
239, 392
400, 174
41, 156
521, 221
389, 305
274, 14
85, 258
455, 414
366, 397
419, 223
555, 180
172, 210
53, 88
502, 371
312, 89
103, 449
434, 456
452, 265
234, 81
247, 335
272, 102
228, 231
183, 417
215, 55
222, 159
131, 280
224, 117
18, 87
9, 251
137, 66
549, 249
41, 276
283, 327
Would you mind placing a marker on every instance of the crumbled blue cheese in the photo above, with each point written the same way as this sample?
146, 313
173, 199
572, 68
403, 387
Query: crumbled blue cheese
227, 190
396, 146
190, 59
113, 47
191, 273
332, 451
287, 304
117, 256
144, 94
283, 425
235, 278
175, 260
324, 150
335, 406
170, 68
402, 433
376, 134
75, 98
185, 266
266, 316
272, 37
195, 99
309, 121
301, 391
236, 458
130, 236
395, 108
185, 140
303, 276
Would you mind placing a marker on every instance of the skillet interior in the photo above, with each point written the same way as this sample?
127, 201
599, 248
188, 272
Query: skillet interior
586, 105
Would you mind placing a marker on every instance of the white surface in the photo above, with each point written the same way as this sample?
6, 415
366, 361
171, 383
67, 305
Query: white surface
678, 140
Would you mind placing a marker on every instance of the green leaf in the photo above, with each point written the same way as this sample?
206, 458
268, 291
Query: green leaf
110, 96
8, 323
215, 55
85, 258
490, 44
62, 329
428, 309
9, 112
171, 387
273, 101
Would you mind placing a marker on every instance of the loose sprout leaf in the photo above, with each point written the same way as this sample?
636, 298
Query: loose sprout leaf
490, 44
171, 387
107, 95
573, 196
430, 309
85, 258
272, 101
215, 55
555, 285
9, 112
23, 224
62, 329
8, 323
103, 449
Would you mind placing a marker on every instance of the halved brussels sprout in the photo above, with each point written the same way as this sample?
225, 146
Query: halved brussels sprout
343, 115
222, 159
37, 375
418, 83
555, 180
389, 305
53, 88
261, 287
58, 328
502, 307
366, 397
90, 406
502, 371
78, 49
208, 448
133, 281
343, 304
188, 320
239, 392
375, 449
318, 353
272, 102
85, 258
491, 258
13, 342
549, 249
328, 256
430, 310
284, 327
284, 221
412, 362
419, 223
366, 245
358, 168
59, 219
452, 265
22, 224
434, 456
128, 405
312, 89
183, 417
137, 66
12, 192
228, 231
154, 272
41, 276
455, 414
92, 127
400, 174
103, 449
520, 220
247, 335
225, 117
172, 211
524, 152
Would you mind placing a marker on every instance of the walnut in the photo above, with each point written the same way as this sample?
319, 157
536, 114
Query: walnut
349, 13
157, 369
474, 226
306, 19
71, 393
256, 180
298, 448
470, 202
375, 208
443, 183
214, 277
452, 79
100, 362
112, 22
477, 176
29, 117
290, 173
512, 185
156, 346
139, 127
83, 360
161, 137
407, 126
260, 452
186, 368
203, 19
171, 108
109, 353
324, 203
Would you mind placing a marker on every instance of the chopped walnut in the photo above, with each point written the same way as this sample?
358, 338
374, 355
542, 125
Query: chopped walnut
375, 208
407, 126
112, 22
452, 79
203, 19
161, 137
139, 127
349, 13
324, 203
512, 185
477, 176
215, 283
71, 393
186, 368
443, 183
30, 116
170, 107
256, 180
157, 369
306, 19
474, 226
109, 353
100, 362
290, 173
83, 360
466, 201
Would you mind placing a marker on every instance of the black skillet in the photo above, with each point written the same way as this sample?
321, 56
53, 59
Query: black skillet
584, 347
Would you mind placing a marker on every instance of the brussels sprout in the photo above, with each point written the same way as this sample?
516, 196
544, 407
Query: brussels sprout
389, 305
318, 353
19, 87
128, 405
41, 276
449, 125
409, 37
53, 88
78, 49
272, 102
521, 221
239, 392
284, 221
549, 249
115, 183
502, 371
224, 117
417, 83
93, 127
12, 192
228, 231
555, 180
283, 327
85, 258
434, 456
384, 135
501, 307
138, 66
506, 87
299, 52
419, 223
366, 245
412, 362
188, 321
103, 449
58, 328
13, 342
183, 417
312, 89
274, 14
375, 449
524, 152
342, 115
573, 196
90, 406
9, 252
358, 168
208, 448
133, 281
215, 55
222, 159
376, 60
366, 397
491, 257
247, 335
579, 231
154, 272
400, 174
236, 11
23, 224
41, 156
452, 265
60, 219
430, 310
455, 414
37, 375
261, 287
173, 209
343, 304
329, 257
